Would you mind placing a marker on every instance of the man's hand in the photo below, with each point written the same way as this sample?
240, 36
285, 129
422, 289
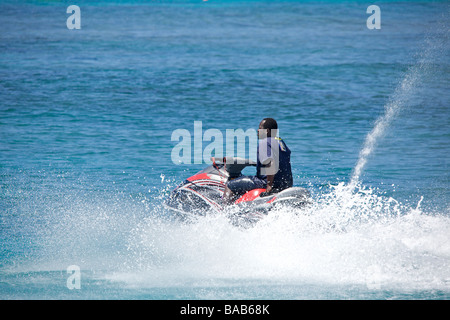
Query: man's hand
266, 193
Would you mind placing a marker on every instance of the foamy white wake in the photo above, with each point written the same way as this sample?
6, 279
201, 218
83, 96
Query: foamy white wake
345, 238
349, 236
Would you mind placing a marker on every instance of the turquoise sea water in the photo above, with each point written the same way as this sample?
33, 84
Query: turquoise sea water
86, 118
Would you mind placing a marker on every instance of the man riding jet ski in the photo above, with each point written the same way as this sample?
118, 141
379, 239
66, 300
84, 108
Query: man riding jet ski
249, 198
273, 169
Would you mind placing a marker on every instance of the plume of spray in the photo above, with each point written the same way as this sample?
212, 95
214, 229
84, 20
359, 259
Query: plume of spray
400, 97
392, 109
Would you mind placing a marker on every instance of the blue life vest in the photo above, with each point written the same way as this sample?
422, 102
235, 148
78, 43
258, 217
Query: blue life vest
283, 177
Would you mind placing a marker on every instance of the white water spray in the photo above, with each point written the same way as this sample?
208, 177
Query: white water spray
392, 109
398, 101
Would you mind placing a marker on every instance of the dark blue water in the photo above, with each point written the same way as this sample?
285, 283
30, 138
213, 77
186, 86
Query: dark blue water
86, 119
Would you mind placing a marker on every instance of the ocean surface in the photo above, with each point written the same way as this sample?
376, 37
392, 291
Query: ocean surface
86, 123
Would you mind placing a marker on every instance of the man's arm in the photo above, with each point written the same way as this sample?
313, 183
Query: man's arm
269, 183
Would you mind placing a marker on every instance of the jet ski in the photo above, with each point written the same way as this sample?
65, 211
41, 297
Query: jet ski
201, 194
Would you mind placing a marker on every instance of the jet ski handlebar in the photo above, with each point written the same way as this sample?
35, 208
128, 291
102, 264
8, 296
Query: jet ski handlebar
233, 165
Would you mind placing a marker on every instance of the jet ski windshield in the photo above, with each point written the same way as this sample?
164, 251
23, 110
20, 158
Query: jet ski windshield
233, 165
